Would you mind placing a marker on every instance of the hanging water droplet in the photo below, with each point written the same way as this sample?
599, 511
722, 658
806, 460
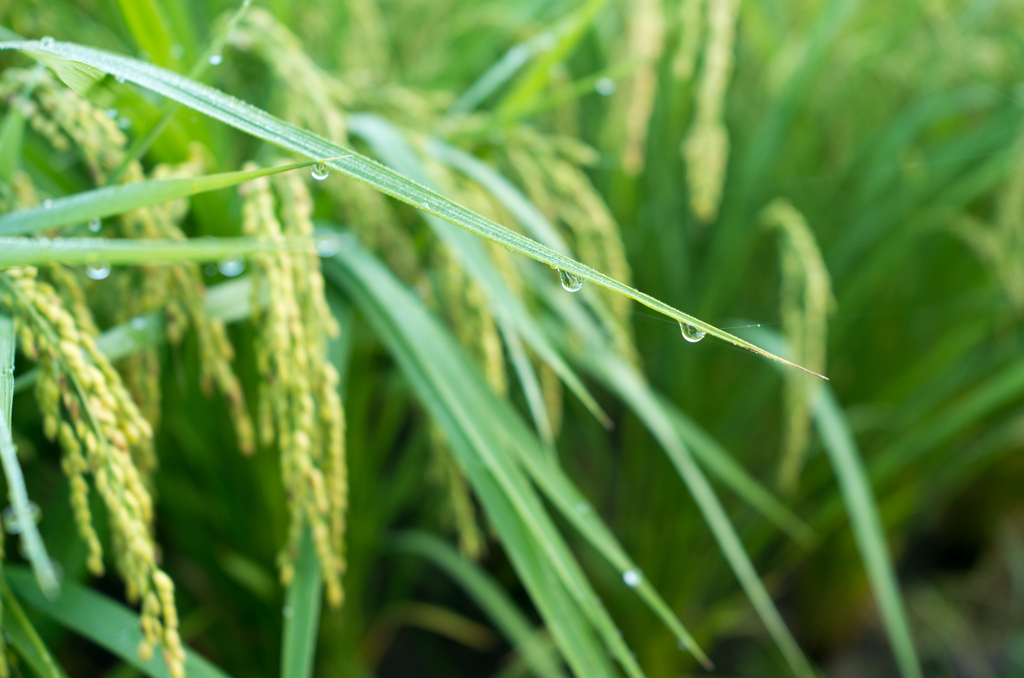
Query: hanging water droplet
216, 59
124, 123
120, 79
691, 333
11, 522
46, 41
320, 171
233, 265
95, 225
138, 323
98, 271
570, 281
632, 578
111, 113
327, 246
605, 87
47, 204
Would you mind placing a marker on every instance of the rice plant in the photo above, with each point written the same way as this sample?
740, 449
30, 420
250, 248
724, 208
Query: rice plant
391, 337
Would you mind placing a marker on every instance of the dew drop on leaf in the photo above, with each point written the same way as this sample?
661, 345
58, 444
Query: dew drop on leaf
690, 333
632, 578
46, 41
216, 59
98, 271
232, 266
95, 225
327, 246
570, 281
10, 518
605, 87
320, 171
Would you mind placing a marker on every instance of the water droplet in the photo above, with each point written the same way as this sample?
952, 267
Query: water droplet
570, 281
120, 79
327, 246
47, 204
177, 52
124, 123
605, 87
211, 270
10, 518
233, 265
632, 578
138, 323
287, 612
320, 171
95, 225
690, 333
112, 113
98, 271
216, 59
46, 41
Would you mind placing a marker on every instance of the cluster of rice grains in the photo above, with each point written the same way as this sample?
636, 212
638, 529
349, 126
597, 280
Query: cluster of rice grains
805, 302
299, 406
86, 407
86, 404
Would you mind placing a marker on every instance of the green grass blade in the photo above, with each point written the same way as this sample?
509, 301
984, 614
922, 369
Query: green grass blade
717, 460
487, 594
35, 549
862, 510
71, 251
624, 379
458, 399
530, 384
106, 622
867, 527
24, 638
535, 80
149, 26
302, 613
112, 200
79, 66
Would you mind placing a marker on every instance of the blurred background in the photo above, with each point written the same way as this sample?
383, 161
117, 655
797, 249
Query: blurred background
845, 177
